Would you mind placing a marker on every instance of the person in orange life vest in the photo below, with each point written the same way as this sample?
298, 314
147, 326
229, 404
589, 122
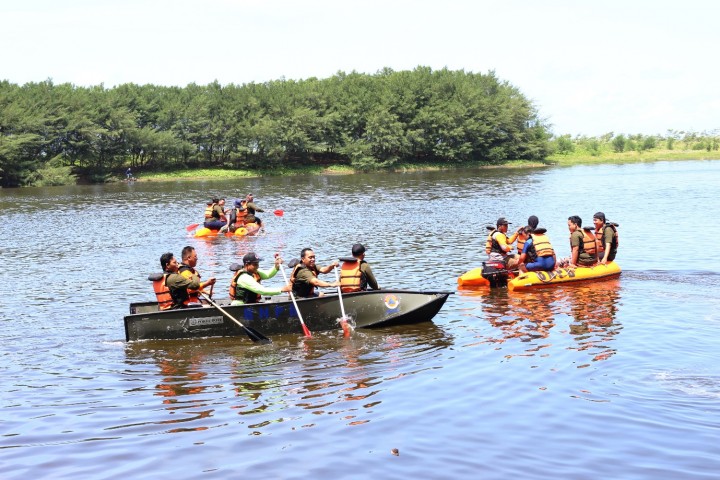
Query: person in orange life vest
607, 234
497, 246
583, 244
304, 275
356, 274
237, 216
521, 234
217, 218
177, 284
251, 209
538, 254
187, 270
245, 286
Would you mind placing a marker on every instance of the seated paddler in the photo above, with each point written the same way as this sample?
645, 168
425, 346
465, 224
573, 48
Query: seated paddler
176, 284
498, 247
538, 253
246, 286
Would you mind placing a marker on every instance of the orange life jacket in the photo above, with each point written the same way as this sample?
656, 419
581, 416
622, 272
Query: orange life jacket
492, 245
240, 216
589, 244
162, 292
350, 276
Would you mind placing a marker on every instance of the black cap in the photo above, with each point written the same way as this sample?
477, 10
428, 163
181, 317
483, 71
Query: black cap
251, 258
599, 215
502, 221
358, 249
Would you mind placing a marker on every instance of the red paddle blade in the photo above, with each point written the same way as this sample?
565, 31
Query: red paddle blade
192, 227
279, 213
306, 331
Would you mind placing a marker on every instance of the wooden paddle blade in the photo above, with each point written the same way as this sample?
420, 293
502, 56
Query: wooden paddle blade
192, 227
279, 212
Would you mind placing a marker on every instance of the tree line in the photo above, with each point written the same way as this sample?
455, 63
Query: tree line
51, 134
611, 143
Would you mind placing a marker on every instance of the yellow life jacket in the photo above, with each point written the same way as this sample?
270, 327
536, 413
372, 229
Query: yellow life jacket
350, 276
492, 245
541, 246
209, 211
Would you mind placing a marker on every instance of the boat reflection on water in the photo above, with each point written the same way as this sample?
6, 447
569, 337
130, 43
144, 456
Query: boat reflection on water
587, 312
295, 380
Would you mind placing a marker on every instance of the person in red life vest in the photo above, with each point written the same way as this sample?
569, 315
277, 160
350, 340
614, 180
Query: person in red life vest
355, 273
176, 284
217, 218
237, 217
304, 275
607, 234
187, 270
245, 286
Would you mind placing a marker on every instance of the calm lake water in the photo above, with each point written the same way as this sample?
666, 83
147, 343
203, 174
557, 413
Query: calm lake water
617, 379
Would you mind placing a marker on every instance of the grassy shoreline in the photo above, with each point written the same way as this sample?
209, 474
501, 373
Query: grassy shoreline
553, 160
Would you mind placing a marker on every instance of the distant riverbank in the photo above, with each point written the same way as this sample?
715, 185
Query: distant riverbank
583, 158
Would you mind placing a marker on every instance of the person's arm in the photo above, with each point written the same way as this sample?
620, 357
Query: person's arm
607, 241
265, 274
177, 280
371, 281
502, 241
328, 268
248, 282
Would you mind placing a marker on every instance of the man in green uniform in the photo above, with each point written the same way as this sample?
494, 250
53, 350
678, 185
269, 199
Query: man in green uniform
304, 276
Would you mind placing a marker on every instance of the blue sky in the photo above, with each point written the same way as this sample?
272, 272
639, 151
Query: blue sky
591, 67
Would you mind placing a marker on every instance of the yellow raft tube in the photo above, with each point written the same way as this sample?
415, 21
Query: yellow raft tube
249, 229
529, 280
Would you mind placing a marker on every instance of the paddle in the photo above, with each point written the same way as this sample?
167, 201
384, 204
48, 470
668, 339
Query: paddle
279, 213
343, 319
306, 331
254, 335
192, 227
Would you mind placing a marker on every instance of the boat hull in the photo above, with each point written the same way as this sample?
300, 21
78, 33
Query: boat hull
248, 230
530, 280
376, 308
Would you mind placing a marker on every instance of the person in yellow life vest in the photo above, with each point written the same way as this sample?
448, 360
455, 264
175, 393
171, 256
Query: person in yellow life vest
583, 244
607, 234
245, 286
497, 246
355, 273
217, 218
176, 284
304, 275
538, 253
187, 270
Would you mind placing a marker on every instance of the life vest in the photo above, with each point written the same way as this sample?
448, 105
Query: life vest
162, 292
521, 242
492, 245
243, 294
614, 244
187, 272
589, 244
540, 247
351, 278
240, 216
302, 289
209, 211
